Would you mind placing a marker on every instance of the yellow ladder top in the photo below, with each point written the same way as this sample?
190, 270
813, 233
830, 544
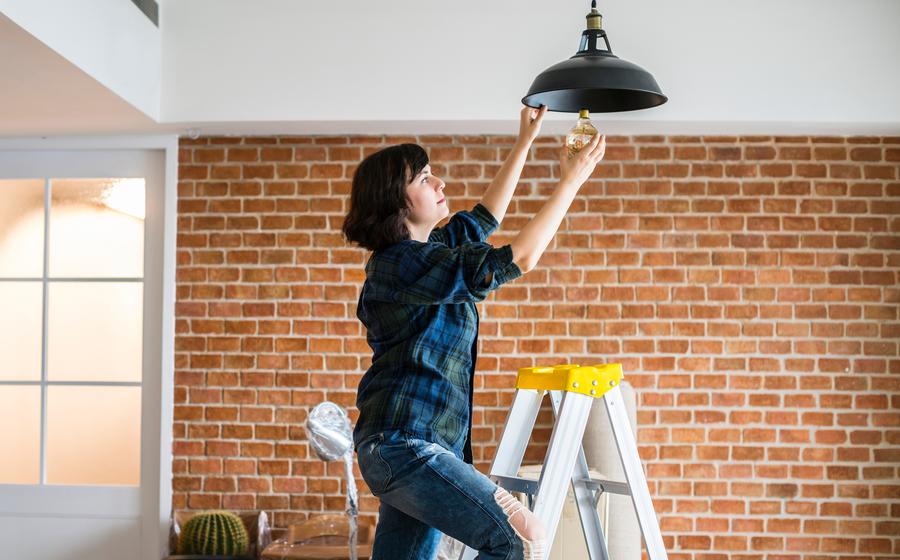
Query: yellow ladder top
592, 381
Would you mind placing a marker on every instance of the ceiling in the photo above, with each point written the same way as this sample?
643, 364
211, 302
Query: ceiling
44, 93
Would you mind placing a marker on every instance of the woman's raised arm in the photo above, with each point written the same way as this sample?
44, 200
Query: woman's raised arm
498, 194
531, 242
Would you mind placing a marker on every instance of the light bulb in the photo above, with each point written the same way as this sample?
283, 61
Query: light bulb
581, 134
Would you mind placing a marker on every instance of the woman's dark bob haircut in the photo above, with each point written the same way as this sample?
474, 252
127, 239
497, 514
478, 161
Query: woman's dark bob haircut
378, 202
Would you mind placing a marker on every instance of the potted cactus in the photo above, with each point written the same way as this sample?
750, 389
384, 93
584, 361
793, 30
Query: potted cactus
213, 535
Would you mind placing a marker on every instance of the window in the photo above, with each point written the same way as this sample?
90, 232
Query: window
71, 330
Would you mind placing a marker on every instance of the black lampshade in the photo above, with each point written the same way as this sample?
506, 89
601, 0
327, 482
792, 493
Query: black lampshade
594, 79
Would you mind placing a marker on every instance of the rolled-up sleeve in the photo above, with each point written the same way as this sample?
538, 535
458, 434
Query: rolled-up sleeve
466, 226
433, 273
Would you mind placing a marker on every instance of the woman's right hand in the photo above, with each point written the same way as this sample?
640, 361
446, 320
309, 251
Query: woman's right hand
576, 169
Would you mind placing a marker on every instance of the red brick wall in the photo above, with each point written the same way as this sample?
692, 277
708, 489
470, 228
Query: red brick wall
749, 286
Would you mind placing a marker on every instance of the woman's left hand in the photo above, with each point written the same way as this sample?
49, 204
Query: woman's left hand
530, 123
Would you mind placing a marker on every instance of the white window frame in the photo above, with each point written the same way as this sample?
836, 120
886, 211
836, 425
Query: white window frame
72, 157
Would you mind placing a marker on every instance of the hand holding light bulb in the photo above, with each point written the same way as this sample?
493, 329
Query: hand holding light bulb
576, 168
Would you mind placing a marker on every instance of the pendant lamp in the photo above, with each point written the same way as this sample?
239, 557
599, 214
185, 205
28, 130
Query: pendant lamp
594, 79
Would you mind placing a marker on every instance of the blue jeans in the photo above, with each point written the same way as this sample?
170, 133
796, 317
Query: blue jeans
426, 490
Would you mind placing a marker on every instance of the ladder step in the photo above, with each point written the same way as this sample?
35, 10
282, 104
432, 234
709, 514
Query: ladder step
610, 486
516, 484
531, 486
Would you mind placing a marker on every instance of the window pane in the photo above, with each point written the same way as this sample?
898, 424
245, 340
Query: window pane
20, 331
22, 228
20, 414
94, 331
97, 228
93, 435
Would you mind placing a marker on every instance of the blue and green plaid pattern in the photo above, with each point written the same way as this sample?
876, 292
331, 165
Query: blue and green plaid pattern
418, 305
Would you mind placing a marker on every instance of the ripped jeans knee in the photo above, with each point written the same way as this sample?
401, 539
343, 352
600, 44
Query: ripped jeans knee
526, 525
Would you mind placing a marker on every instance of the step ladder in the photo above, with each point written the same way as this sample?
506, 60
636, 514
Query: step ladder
572, 390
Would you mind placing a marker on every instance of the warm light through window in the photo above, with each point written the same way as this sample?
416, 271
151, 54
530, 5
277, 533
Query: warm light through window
126, 196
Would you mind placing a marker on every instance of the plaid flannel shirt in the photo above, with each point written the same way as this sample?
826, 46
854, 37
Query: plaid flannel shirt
418, 306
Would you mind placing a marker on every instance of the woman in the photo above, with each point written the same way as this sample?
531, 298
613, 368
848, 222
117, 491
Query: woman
418, 306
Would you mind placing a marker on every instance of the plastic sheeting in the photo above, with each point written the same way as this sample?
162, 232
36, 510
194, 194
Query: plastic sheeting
331, 438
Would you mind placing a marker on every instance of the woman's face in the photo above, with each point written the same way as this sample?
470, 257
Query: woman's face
426, 197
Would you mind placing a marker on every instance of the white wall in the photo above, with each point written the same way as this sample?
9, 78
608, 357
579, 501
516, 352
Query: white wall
320, 65
110, 40
324, 66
